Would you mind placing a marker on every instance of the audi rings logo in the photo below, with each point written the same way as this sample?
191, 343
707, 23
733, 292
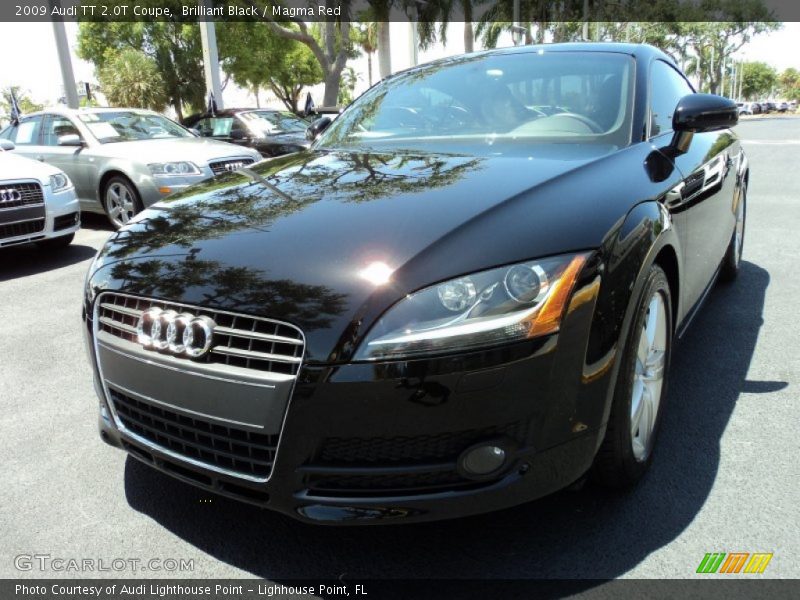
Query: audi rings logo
10, 195
181, 334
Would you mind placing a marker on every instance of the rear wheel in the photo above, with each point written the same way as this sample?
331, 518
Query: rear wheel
121, 201
633, 423
56, 243
733, 257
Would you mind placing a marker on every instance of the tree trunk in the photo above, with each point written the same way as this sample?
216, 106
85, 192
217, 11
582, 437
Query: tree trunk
369, 67
469, 34
332, 81
178, 110
384, 50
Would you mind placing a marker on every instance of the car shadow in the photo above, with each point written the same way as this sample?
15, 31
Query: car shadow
592, 533
28, 259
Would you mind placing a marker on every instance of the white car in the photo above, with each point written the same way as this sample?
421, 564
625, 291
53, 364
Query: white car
37, 202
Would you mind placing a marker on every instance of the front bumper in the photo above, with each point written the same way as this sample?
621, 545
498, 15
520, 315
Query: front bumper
61, 216
369, 443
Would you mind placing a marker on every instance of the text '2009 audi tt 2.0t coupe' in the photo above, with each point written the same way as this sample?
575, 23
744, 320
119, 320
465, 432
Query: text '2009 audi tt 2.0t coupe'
462, 297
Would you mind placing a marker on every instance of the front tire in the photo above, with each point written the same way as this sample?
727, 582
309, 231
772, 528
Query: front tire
733, 257
627, 449
121, 201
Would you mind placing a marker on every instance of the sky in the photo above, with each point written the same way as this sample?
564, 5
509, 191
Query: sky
36, 69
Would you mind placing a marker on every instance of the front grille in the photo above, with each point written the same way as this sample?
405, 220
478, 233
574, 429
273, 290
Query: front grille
222, 447
65, 221
23, 228
413, 449
239, 340
225, 166
20, 194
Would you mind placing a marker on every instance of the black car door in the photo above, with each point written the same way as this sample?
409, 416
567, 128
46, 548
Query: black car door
703, 203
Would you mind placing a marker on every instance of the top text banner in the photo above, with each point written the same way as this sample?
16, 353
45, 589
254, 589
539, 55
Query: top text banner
531, 11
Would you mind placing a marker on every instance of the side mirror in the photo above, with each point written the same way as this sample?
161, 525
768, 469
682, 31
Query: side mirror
697, 113
237, 134
7, 145
196, 131
71, 139
317, 127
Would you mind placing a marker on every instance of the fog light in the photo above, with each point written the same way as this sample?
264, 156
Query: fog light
165, 190
483, 460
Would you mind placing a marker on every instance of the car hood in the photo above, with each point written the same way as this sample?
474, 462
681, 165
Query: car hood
13, 166
290, 237
197, 150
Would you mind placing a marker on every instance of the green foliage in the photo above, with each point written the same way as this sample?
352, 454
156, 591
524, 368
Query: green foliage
26, 105
174, 47
256, 57
790, 84
758, 80
131, 78
347, 86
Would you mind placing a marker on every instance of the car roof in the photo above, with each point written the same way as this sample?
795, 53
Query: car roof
638, 51
63, 110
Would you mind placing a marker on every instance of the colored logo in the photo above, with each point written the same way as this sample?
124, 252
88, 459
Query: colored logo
734, 562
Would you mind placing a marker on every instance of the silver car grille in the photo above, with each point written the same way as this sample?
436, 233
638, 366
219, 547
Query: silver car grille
13, 195
225, 166
239, 340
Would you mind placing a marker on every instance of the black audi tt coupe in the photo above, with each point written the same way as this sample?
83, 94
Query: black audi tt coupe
463, 296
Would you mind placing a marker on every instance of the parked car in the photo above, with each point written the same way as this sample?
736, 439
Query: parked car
769, 107
755, 108
744, 108
271, 132
782, 106
451, 303
37, 202
122, 160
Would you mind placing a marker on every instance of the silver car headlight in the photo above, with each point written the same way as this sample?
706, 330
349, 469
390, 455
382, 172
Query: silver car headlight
59, 182
174, 168
497, 306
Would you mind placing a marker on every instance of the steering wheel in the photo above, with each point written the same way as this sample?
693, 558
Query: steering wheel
405, 117
592, 125
454, 116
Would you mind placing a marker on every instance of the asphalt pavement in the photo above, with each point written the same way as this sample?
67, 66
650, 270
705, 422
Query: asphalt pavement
726, 476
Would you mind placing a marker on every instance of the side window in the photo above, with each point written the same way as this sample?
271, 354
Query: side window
238, 128
215, 126
205, 127
667, 87
27, 132
54, 127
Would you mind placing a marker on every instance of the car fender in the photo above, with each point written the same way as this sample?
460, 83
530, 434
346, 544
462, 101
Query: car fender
628, 255
136, 172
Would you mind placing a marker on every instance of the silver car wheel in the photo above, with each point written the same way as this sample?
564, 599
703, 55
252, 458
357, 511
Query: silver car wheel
648, 380
739, 242
120, 203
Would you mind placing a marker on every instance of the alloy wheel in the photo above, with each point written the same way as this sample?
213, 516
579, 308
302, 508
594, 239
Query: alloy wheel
648, 380
120, 203
739, 234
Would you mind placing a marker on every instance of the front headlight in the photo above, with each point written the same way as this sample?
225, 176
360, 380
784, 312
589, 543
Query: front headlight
59, 182
497, 306
174, 168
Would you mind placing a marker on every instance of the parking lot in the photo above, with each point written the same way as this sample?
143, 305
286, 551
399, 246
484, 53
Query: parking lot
725, 478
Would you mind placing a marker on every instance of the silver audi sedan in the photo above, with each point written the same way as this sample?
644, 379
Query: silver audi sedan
122, 160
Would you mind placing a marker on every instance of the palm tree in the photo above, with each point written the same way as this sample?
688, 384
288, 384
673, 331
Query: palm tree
368, 42
443, 12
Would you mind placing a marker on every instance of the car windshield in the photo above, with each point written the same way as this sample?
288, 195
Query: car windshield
126, 126
269, 122
492, 103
